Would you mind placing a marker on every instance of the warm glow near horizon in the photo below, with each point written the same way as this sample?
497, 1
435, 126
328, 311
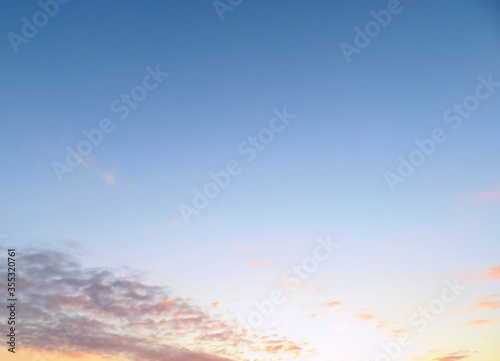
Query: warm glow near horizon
236, 180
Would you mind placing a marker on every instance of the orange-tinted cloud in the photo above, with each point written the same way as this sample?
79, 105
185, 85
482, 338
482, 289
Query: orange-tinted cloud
492, 273
478, 322
281, 346
488, 305
363, 315
366, 317
297, 285
330, 307
332, 303
488, 302
380, 323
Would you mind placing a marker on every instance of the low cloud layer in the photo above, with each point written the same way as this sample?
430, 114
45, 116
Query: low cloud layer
71, 309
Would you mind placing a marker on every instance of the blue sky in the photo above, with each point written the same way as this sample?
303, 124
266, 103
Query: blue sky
323, 175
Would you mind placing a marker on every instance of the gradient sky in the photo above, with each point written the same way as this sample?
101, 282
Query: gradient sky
323, 176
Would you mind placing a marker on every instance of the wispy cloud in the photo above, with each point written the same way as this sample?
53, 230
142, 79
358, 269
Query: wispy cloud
333, 303
451, 358
296, 285
488, 305
255, 264
492, 195
489, 302
329, 307
478, 322
455, 356
366, 317
492, 273
242, 250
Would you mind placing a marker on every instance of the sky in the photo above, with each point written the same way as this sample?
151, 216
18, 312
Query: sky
251, 180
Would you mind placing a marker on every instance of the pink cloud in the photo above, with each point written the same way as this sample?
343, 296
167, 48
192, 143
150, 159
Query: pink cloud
455, 356
85, 162
255, 264
242, 250
109, 178
493, 195
451, 358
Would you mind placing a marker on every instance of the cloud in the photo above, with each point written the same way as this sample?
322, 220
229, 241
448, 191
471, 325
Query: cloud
297, 285
333, 303
360, 318
85, 161
478, 322
68, 308
255, 264
109, 178
492, 273
329, 307
488, 302
488, 305
492, 196
455, 356
381, 324
72, 244
242, 250
451, 358
366, 317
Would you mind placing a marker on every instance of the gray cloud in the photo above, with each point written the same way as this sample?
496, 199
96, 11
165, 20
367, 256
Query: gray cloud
68, 308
